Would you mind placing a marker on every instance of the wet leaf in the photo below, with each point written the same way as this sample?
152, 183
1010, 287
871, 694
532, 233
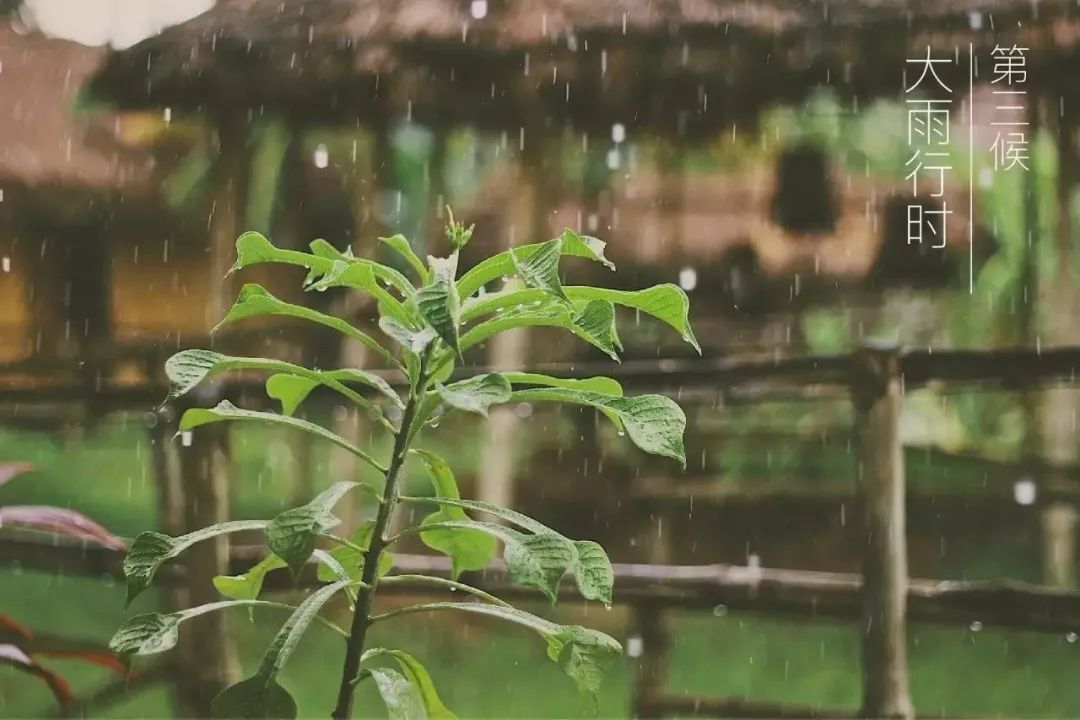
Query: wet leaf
582, 653
502, 264
254, 698
292, 534
260, 696
603, 385
654, 423
439, 305
146, 634
418, 676
225, 411
402, 698
401, 246
467, 549
352, 560
248, 585
256, 301
476, 394
667, 303
150, 549
539, 267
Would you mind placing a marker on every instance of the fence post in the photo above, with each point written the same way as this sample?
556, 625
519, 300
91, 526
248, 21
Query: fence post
876, 392
649, 684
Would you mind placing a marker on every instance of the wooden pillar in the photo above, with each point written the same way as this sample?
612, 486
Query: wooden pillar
507, 350
436, 196
877, 392
1054, 434
653, 630
229, 199
208, 654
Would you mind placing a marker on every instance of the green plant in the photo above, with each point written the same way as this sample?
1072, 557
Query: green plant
432, 326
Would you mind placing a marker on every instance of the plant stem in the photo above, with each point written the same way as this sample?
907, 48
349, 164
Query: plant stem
354, 646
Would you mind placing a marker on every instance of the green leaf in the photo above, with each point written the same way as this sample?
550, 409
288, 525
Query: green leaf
467, 549
603, 385
225, 411
415, 341
500, 265
252, 248
401, 245
539, 560
151, 549
654, 423
402, 698
476, 394
438, 301
352, 560
289, 390
260, 696
254, 698
419, 678
249, 585
255, 301
667, 303
146, 634
362, 276
292, 534
593, 572
539, 268
589, 564
292, 390
582, 653
188, 368
589, 321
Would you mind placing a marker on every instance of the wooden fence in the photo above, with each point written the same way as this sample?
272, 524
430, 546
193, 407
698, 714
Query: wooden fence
881, 600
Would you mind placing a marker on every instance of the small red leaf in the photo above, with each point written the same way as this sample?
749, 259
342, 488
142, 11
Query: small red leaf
14, 656
8, 470
14, 631
59, 520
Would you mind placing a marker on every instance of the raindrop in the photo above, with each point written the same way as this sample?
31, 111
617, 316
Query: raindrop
523, 410
688, 279
478, 9
5, 263
975, 19
186, 438
613, 159
166, 115
322, 156
975, 626
634, 646
720, 610
618, 133
1024, 492
1070, 637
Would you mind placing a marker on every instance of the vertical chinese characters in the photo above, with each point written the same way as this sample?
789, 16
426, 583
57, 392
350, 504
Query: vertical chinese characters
928, 127
1010, 146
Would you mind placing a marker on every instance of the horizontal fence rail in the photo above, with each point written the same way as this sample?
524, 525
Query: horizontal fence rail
801, 593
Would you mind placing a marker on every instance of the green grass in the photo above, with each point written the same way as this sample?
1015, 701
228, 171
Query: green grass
491, 670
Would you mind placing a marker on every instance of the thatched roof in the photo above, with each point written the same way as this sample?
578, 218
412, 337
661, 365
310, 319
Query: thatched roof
671, 66
43, 142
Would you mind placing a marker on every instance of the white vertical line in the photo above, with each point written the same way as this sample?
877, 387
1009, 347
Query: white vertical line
971, 169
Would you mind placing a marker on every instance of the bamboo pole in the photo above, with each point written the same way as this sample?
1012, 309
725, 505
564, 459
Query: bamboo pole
876, 391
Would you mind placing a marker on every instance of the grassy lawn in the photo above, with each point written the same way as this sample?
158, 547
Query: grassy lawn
484, 669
